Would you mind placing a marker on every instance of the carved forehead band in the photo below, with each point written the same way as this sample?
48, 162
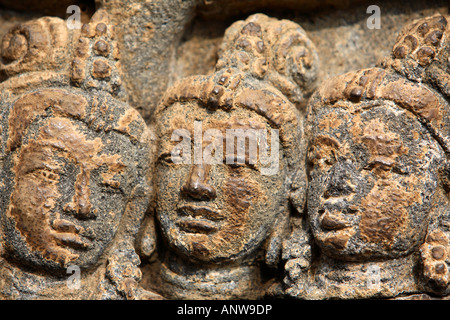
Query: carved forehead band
227, 90
376, 84
97, 114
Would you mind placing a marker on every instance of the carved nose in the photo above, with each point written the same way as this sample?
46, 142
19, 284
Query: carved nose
80, 207
340, 183
81, 204
196, 185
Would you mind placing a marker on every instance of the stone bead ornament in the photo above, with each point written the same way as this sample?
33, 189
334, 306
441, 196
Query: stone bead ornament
96, 62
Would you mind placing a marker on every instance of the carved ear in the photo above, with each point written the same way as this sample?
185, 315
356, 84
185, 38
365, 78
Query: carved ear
275, 241
297, 192
146, 238
296, 198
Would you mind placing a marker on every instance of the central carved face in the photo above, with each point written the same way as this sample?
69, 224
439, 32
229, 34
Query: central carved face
68, 196
214, 211
372, 180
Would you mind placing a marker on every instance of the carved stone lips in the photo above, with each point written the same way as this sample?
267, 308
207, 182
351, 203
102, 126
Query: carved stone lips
197, 226
71, 235
199, 219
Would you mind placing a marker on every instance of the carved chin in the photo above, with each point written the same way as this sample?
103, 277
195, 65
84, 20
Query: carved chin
213, 248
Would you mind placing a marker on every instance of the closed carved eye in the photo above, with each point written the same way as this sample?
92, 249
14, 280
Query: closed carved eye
387, 166
168, 158
322, 157
46, 174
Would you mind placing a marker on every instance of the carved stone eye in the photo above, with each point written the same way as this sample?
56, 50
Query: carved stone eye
322, 158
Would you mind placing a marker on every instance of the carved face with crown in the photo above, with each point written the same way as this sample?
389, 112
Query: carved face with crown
69, 185
374, 168
244, 118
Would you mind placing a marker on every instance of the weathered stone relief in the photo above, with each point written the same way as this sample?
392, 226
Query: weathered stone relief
376, 222
76, 166
221, 221
125, 176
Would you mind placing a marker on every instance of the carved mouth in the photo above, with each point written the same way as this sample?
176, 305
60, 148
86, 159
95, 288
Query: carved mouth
196, 226
201, 212
69, 234
199, 219
73, 241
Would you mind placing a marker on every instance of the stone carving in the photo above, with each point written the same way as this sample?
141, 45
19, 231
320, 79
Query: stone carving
97, 122
75, 168
34, 46
222, 221
35, 53
377, 199
96, 62
421, 55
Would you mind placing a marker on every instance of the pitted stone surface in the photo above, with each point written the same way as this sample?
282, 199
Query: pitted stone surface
101, 129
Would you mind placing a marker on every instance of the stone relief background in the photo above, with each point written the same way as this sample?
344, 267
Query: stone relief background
357, 208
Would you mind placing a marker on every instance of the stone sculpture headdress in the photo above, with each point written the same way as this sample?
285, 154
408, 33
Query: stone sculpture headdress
376, 84
45, 52
57, 72
278, 51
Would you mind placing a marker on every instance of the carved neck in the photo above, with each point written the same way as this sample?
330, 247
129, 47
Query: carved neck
181, 279
358, 280
19, 284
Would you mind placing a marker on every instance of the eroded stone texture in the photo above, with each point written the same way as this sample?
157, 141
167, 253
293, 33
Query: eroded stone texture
52, 7
76, 159
37, 50
222, 221
149, 33
76, 167
96, 64
284, 56
164, 41
421, 55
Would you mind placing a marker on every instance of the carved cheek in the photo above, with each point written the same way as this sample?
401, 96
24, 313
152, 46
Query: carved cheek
31, 204
33, 192
239, 195
385, 213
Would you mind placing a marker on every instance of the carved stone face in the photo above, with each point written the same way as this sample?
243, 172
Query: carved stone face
214, 212
68, 196
373, 173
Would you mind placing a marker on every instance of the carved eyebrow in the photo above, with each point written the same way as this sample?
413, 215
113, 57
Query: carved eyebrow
327, 140
393, 165
165, 148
